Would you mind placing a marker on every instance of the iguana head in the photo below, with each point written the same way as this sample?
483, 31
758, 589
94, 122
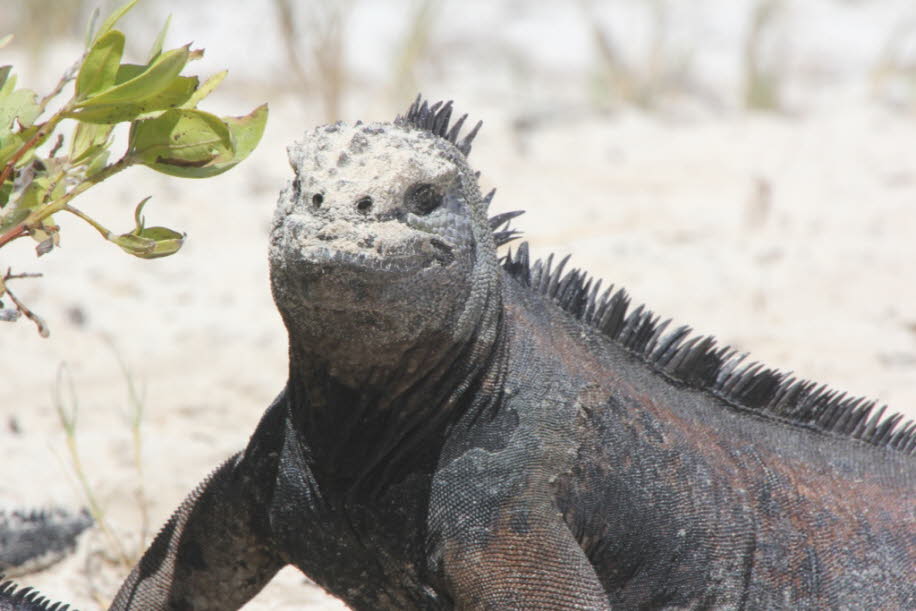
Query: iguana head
380, 245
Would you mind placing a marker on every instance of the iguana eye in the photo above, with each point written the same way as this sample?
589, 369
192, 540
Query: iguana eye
422, 198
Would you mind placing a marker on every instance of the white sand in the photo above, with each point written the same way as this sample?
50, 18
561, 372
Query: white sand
789, 237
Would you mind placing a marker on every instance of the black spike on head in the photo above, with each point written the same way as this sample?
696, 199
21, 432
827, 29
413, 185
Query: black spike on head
501, 219
435, 119
488, 199
499, 224
465, 146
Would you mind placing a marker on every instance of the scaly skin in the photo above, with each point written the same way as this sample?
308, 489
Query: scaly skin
35, 539
31, 541
463, 432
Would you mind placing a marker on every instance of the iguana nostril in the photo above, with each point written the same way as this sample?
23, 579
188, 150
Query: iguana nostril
317, 200
364, 204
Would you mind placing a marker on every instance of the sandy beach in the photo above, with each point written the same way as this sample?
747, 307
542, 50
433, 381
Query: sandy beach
789, 235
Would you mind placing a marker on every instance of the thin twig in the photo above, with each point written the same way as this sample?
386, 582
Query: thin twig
32, 142
11, 276
35, 318
68, 76
95, 224
12, 234
61, 203
57, 145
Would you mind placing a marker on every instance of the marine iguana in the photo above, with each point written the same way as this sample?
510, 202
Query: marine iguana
13, 598
464, 430
35, 539
30, 541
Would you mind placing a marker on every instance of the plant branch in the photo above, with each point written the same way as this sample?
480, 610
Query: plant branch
95, 224
21, 228
32, 143
35, 318
68, 76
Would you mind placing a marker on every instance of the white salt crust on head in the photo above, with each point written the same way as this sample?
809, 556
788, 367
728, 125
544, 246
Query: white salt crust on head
340, 165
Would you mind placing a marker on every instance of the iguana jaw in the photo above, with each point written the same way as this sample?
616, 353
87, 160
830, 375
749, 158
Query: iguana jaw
359, 297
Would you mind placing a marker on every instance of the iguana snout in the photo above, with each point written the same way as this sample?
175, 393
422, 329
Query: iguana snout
374, 196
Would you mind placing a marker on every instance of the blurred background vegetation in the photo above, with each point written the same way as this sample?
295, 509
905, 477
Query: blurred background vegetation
675, 58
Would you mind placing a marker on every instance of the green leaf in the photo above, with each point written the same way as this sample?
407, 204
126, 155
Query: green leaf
20, 104
90, 27
97, 164
4, 73
245, 133
8, 85
127, 72
151, 242
113, 18
5, 40
206, 89
179, 140
101, 65
5, 190
160, 40
139, 220
34, 194
11, 143
156, 78
88, 139
176, 94
12, 219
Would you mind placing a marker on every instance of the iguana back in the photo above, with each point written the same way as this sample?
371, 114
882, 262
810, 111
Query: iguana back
692, 489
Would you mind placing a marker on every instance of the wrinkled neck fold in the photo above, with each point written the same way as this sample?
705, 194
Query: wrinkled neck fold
367, 427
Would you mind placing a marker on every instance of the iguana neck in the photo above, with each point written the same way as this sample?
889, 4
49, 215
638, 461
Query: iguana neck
368, 428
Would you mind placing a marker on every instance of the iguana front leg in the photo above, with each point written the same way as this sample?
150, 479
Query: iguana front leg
214, 552
503, 544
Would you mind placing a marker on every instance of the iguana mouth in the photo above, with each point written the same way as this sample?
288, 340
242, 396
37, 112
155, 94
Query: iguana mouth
438, 253
383, 246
